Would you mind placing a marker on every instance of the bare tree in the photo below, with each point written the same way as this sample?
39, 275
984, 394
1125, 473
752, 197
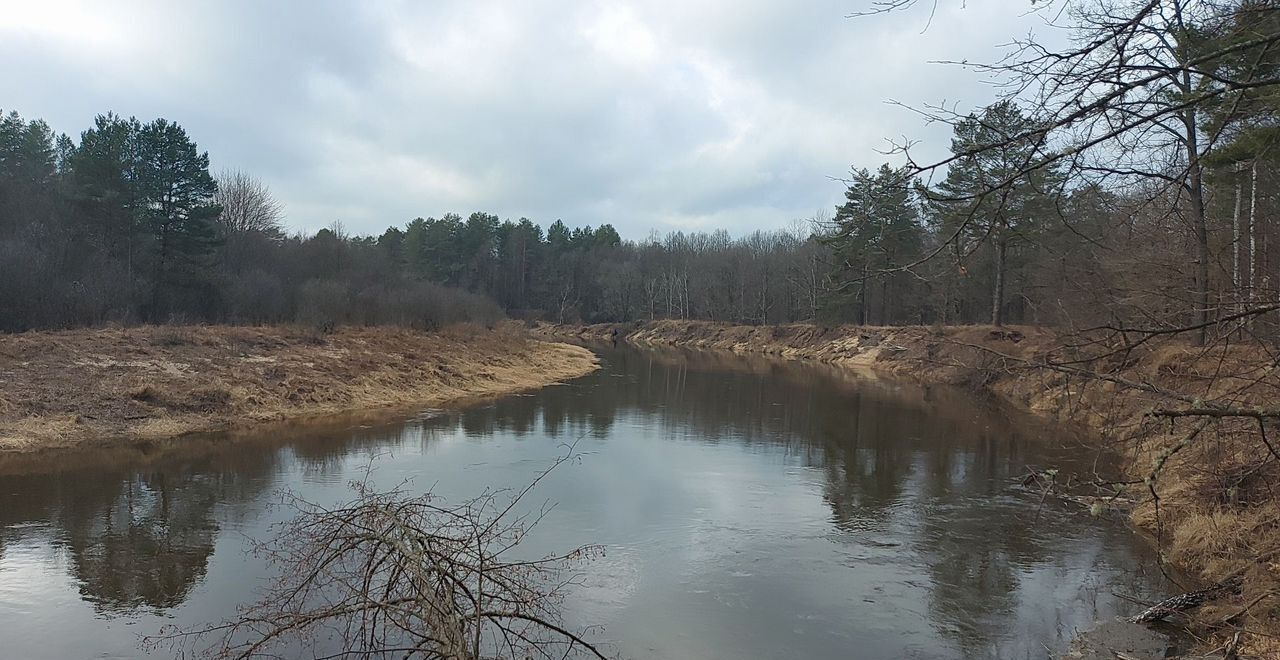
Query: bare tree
247, 205
392, 575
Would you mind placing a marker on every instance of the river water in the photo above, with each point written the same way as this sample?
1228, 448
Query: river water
749, 508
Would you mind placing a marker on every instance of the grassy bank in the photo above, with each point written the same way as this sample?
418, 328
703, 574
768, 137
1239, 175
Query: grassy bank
134, 385
1215, 513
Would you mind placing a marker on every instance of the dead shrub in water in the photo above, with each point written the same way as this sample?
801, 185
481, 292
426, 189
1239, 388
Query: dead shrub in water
984, 370
391, 575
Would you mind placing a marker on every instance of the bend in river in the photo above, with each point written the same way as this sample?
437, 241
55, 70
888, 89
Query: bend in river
750, 509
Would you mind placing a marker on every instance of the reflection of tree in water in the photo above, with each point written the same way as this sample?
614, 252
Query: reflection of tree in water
918, 467
143, 538
330, 454
146, 546
973, 582
866, 460
867, 437
988, 550
139, 539
932, 465
973, 595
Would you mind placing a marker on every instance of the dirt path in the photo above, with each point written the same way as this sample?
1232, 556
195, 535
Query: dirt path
115, 386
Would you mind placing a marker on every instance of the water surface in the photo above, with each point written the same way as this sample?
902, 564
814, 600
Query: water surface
750, 509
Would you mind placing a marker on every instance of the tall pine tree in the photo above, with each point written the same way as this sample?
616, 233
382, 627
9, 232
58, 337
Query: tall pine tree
178, 211
877, 230
997, 193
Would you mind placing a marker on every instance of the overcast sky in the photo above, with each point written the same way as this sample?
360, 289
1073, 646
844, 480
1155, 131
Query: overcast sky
664, 114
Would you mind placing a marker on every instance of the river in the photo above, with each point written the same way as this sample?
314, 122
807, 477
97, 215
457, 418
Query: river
749, 509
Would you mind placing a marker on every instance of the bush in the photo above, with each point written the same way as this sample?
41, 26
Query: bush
324, 304
256, 296
423, 306
172, 335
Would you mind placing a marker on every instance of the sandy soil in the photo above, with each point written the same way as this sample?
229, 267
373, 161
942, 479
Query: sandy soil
116, 386
1217, 510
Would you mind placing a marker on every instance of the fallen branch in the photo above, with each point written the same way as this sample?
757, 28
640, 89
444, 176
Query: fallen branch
391, 575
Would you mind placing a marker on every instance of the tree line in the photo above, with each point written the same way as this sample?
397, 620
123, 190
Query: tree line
127, 224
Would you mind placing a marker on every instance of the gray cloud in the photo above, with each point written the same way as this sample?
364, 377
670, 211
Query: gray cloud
649, 115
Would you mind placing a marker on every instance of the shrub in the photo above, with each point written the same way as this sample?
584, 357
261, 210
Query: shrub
324, 304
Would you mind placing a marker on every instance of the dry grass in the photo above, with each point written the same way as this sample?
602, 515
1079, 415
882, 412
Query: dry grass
113, 385
1217, 509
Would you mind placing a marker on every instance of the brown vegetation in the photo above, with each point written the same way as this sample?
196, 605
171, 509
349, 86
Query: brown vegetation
83, 387
389, 574
1201, 485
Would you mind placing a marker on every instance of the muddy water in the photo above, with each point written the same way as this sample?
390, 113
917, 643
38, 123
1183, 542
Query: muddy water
750, 509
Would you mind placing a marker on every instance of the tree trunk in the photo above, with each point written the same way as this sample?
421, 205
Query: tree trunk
1195, 191
813, 290
160, 271
884, 299
764, 298
687, 306
1236, 282
997, 291
862, 295
1252, 229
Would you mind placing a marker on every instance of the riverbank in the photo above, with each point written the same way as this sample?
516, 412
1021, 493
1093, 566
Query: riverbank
1216, 513
120, 386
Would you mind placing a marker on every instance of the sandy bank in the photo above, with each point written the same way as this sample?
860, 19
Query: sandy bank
111, 386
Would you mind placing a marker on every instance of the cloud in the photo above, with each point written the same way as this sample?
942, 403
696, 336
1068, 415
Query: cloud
649, 115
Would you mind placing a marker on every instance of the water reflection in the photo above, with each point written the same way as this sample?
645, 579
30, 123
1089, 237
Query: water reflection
134, 538
752, 508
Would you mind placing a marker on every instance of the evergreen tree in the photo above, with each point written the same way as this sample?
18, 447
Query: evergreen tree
479, 252
178, 211
28, 167
877, 229
996, 194
104, 171
519, 249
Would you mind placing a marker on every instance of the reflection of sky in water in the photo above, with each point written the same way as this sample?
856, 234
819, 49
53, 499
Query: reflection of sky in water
749, 509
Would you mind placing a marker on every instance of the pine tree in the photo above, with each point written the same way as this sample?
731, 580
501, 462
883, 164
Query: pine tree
178, 210
877, 230
28, 167
996, 194
104, 185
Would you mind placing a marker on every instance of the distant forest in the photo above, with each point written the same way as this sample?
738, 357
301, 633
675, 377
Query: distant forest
1140, 209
